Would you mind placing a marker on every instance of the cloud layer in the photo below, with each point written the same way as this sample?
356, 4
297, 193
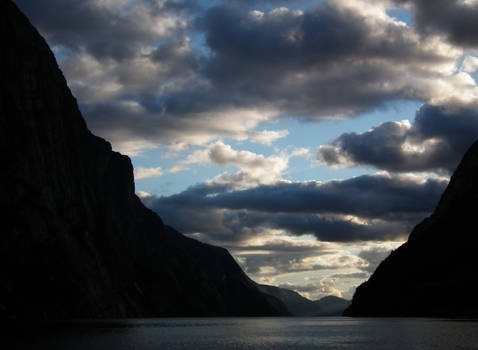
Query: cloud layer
182, 75
366, 208
436, 140
454, 18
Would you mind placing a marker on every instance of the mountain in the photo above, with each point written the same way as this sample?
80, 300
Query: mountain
331, 305
75, 241
434, 272
296, 304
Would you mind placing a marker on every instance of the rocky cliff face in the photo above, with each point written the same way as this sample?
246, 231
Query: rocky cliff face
434, 272
76, 242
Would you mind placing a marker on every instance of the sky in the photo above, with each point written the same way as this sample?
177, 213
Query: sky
308, 137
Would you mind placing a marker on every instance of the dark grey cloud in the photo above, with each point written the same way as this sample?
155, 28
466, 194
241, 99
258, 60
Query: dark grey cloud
454, 18
281, 263
371, 196
286, 247
436, 140
288, 59
386, 207
105, 30
341, 229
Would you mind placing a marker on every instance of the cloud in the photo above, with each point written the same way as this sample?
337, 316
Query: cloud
362, 56
454, 18
254, 169
267, 137
375, 59
316, 290
470, 64
263, 265
372, 196
105, 29
161, 85
143, 194
436, 140
283, 245
330, 228
275, 264
144, 173
131, 123
377, 207
354, 275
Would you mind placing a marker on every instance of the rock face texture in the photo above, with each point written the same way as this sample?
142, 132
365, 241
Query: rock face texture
435, 272
75, 241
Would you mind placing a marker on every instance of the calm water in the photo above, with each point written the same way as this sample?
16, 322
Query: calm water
250, 333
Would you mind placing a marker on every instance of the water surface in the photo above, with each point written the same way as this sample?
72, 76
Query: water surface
249, 333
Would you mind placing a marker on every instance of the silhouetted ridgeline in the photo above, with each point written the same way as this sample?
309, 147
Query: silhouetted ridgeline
76, 241
297, 305
435, 272
332, 305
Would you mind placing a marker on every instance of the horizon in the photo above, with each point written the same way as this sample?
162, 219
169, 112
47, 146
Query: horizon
355, 112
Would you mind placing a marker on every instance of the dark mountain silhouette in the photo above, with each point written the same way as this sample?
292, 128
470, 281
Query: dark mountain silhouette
331, 305
76, 242
298, 305
435, 272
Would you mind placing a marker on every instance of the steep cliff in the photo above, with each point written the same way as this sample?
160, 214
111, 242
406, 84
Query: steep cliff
434, 272
75, 241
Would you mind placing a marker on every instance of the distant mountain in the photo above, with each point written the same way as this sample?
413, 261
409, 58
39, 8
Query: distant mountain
435, 272
75, 241
331, 306
296, 304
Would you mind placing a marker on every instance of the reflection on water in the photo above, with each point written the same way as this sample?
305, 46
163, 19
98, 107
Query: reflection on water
248, 333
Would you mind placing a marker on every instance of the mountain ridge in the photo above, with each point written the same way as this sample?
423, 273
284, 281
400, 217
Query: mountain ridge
301, 306
433, 274
77, 241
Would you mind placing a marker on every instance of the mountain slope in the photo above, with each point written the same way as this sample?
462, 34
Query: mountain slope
296, 304
76, 241
331, 305
434, 272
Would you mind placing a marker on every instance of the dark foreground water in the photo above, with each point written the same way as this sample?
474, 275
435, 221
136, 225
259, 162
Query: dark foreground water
248, 333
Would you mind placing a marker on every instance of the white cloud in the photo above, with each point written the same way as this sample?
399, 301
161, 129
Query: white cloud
267, 137
470, 64
144, 173
143, 194
254, 169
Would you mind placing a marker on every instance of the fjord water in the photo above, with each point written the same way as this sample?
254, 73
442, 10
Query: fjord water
250, 333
